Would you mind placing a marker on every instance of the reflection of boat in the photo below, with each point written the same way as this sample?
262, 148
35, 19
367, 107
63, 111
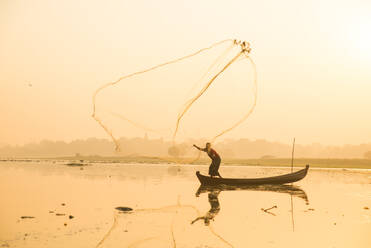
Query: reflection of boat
282, 179
288, 189
214, 191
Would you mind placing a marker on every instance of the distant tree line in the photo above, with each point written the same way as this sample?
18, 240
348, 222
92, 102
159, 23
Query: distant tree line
242, 148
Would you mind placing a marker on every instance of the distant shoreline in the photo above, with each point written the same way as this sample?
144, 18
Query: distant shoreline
275, 162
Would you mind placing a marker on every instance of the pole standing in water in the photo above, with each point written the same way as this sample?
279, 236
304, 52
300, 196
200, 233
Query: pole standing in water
214, 166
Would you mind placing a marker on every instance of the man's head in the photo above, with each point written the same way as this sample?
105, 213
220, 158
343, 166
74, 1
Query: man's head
208, 145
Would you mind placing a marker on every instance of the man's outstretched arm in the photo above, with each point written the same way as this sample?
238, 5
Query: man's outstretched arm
199, 148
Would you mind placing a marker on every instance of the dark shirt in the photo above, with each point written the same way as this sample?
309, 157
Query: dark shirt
212, 153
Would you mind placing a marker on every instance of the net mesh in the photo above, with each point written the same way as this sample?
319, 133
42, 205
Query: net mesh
205, 94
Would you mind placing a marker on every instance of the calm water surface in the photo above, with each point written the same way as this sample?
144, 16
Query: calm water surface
74, 207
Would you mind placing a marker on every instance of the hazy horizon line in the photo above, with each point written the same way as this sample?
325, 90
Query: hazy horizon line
297, 141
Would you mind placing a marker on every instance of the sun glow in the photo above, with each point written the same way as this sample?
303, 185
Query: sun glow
359, 37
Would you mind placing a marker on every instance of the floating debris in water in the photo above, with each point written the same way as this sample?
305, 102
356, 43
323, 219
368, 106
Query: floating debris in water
63, 204
27, 217
76, 164
267, 210
366, 208
124, 209
58, 214
71, 217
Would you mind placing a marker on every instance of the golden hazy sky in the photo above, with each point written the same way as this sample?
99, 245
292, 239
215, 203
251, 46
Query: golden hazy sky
313, 60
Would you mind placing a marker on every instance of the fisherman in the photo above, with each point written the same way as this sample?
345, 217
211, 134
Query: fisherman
214, 166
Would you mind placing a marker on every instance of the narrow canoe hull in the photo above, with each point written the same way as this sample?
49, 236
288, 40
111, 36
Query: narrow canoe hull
282, 179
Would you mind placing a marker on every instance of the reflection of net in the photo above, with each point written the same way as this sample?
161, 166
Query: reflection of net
168, 226
155, 99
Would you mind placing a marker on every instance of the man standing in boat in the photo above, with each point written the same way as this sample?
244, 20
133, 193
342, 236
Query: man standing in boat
214, 166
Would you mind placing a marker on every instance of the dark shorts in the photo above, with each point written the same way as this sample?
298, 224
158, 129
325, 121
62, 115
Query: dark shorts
214, 167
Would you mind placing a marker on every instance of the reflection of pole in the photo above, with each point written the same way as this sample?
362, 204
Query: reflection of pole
292, 214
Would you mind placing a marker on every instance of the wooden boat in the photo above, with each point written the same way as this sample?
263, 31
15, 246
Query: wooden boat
282, 179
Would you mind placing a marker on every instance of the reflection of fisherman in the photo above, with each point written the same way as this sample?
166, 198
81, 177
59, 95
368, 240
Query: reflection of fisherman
214, 166
214, 210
